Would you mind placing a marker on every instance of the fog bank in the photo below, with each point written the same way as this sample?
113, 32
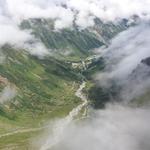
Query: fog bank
123, 61
115, 128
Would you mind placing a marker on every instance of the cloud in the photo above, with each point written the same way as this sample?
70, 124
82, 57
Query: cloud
22, 39
116, 127
25, 9
65, 13
8, 93
123, 62
110, 9
13, 35
36, 48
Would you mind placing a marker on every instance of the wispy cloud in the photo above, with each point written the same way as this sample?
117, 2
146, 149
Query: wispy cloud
8, 93
116, 127
65, 13
123, 62
82, 10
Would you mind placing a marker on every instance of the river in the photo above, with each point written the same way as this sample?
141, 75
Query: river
60, 125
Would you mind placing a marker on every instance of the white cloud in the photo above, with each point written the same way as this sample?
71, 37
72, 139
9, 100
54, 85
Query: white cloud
104, 9
13, 35
116, 127
65, 19
36, 48
65, 12
123, 58
8, 93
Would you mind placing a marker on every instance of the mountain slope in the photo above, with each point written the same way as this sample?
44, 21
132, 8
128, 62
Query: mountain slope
44, 88
76, 41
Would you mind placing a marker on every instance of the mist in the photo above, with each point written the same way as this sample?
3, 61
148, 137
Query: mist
116, 127
7, 94
123, 61
12, 34
81, 12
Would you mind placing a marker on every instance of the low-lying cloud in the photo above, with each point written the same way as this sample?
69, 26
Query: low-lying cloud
64, 13
79, 10
7, 94
12, 34
124, 65
115, 128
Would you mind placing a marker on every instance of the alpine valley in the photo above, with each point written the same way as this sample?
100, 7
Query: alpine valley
78, 87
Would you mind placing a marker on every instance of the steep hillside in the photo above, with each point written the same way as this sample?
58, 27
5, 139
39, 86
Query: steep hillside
74, 42
44, 88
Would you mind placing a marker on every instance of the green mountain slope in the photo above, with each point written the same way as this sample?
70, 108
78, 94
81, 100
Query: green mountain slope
75, 40
45, 88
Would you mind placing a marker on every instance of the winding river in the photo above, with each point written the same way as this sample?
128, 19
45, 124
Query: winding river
60, 126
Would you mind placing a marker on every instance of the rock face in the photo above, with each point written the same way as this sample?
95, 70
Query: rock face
146, 61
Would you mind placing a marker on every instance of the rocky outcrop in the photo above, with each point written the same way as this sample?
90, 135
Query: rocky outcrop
146, 61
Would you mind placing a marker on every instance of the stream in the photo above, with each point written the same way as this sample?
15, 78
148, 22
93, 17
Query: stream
60, 125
